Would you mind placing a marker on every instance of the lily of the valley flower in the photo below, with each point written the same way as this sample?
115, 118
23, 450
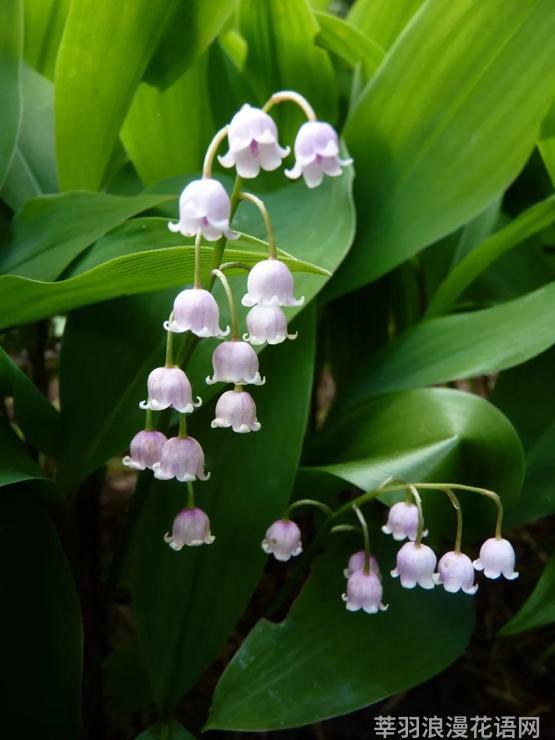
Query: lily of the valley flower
196, 310
267, 324
364, 591
455, 572
316, 153
415, 565
181, 458
253, 143
169, 386
145, 450
190, 527
204, 207
402, 521
283, 540
270, 283
235, 362
236, 409
497, 557
357, 562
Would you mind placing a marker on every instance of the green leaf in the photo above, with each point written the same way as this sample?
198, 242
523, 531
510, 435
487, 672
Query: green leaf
348, 660
445, 125
50, 231
462, 345
16, 465
33, 168
175, 593
41, 660
11, 41
546, 143
166, 731
382, 20
539, 608
44, 22
161, 136
342, 39
104, 52
528, 223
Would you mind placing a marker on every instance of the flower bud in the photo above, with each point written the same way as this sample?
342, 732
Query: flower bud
497, 557
364, 591
283, 540
415, 565
316, 153
190, 527
235, 362
181, 458
267, 324
455, 571
402, 521
197, 311
204, 207
270, 283
169, 386
236, 409
356, 563
145, 449
253, 143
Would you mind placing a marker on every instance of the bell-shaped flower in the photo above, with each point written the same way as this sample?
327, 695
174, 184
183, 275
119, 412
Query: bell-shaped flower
204, 207
267, 324
364, 591
190, 527
402, 521
270, 283
415, 565
497, 557
182, 458
283, 540
235, 362
357, 562
196, 310
316, 153
253, 143
455, 572
145, 450
236, 409
169, 387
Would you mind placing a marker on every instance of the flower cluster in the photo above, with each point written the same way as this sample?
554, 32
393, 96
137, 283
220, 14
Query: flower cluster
205, 212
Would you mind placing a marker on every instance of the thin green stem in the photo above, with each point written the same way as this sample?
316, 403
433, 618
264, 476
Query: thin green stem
308, 502
182, 426
345, 528
231, 302
457, 506
211, 152
418, 502
259, 203
190, 496
294, 97
366, 536
149, 421
235, 266
198, 242
169, 346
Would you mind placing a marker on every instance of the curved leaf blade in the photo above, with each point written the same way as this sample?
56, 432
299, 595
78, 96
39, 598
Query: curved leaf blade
11, 43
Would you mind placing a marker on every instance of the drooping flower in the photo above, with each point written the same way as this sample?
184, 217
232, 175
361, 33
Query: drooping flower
169, 386
364, 591
235, 362
190, 527
270, 283
204, 207
497, 557
145, 450
283, 540
316, 153
181, 458
455, 572
196, 310
236, 409
402, 521
253, 143
415, 565
356, 563
267, 324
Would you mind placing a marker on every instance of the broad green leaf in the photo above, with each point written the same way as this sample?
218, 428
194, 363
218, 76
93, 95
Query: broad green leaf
382, 20
16, 465
44, 22
539, 608
166, 731
445, 125
33, 168
41, 660
181, 636
477, 230
546, 143
11, 42
462, 346
50, 231
166, 133
126, 687
527, 224
346, 42
105, 49
323, 661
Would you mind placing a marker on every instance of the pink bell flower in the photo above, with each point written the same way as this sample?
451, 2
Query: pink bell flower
364, 591
356, 563
415, 565
497, 557
270, 283
196, 310
235, 362
236, 409
169, 387
205, 208
190, 527
283, 540
267, 324
456, 572
316, 154
182, 458
145, 450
